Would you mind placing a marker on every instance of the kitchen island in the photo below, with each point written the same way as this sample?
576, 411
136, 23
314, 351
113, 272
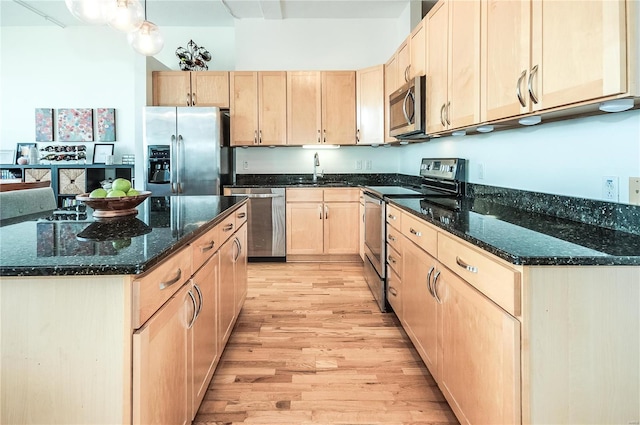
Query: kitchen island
118, 321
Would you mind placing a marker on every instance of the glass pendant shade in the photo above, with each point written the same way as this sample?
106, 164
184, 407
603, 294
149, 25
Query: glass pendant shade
125, 15
89, 11
147, 40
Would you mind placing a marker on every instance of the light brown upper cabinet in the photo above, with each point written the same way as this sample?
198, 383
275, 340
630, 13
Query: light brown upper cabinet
453, 65
258, 108
370, 105
544, 54
191, 88
417, 50
398, 66
321, 107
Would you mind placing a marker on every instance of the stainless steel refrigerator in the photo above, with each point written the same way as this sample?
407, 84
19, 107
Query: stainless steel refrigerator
199, 159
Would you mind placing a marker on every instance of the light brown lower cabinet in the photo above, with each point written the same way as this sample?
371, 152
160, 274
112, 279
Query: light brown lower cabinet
512, 344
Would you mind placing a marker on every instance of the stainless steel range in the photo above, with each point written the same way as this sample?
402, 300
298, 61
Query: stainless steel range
442, 181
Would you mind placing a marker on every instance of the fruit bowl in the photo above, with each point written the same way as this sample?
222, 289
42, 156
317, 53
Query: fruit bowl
113, 207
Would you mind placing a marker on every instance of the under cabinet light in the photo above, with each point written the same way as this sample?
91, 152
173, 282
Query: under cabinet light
485, 128
617, 105
532, 120
459, 133
320, 146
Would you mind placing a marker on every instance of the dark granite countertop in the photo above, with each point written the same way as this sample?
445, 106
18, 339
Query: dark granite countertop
528, 238
71, 242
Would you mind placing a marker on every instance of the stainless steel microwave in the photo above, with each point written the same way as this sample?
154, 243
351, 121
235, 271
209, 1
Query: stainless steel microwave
407, 113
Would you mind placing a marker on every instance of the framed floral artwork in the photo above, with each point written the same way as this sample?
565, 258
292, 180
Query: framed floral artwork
75, 125
44, 125
106, 125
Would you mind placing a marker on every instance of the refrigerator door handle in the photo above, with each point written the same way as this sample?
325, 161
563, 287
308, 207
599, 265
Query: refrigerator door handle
172, 171
179, 163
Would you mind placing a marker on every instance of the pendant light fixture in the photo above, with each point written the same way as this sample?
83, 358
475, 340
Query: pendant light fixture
89, 11
147, 40
124, 15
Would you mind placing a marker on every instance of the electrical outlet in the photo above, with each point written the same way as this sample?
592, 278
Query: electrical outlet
369, 165
245, 165
634, 190
610, 188
480, 171
359, 164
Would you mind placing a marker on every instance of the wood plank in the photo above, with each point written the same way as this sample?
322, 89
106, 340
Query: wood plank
311, 347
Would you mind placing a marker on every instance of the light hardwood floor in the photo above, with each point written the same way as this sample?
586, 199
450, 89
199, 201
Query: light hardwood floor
311, 347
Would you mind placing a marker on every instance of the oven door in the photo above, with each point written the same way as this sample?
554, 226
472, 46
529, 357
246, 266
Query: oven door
374, 232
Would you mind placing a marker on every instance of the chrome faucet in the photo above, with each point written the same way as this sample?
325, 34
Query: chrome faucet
316, 164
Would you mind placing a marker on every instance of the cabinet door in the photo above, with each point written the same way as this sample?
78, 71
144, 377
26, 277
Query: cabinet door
339, 108
210, 88
390, 85
226, 292
417, 49
272, 108
505, 52
204, 335
437, 23
463, 107
341, 230
595, 64
404, 61
480, 355
304, 228
241, 267
304, 107
370, 105
161, 392
244, 108
171, 88
419, 307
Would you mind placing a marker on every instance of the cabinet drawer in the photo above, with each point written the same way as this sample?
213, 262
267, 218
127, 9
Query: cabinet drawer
394, 292
394, 259
394, 238
422, 234
155, 287
226, 228
304, 195
204, 247
491, 277
394, 217
240, 216
341, 195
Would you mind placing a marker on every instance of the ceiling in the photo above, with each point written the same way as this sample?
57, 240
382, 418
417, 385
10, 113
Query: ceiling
202, 13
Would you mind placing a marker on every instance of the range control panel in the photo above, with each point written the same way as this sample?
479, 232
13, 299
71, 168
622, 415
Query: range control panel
443, 168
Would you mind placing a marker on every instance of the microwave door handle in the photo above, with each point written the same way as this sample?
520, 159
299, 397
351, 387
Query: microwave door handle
404, 107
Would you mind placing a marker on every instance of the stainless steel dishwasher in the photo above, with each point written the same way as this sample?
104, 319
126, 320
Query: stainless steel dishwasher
266, 227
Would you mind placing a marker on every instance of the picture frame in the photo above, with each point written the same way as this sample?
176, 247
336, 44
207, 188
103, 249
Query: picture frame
101, 151
22, 149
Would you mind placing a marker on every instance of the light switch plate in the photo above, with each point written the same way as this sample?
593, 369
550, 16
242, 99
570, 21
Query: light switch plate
634, 190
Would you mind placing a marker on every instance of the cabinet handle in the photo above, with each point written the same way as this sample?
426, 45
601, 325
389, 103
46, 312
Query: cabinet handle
195, 310
466, 266
207, 247
320, 212
518, 90
533, 96
195, 285
435, 287
324, 135
170, 282
241, 215
259, 137
393, 291
429, 279
446, 115
442, 115
358, 136
391, 217
228, 227
326, 212
255, 137
406, 73
318, 135
193, 98
236, 241
415, 232
393, 260
392, 238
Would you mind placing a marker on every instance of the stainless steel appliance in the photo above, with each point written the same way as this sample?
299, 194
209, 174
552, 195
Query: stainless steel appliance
266, 238
441, 179
187, 150
407, 113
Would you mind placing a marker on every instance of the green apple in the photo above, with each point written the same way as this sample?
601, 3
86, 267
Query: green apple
121, 184
115, 194
133, 192
98, 193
